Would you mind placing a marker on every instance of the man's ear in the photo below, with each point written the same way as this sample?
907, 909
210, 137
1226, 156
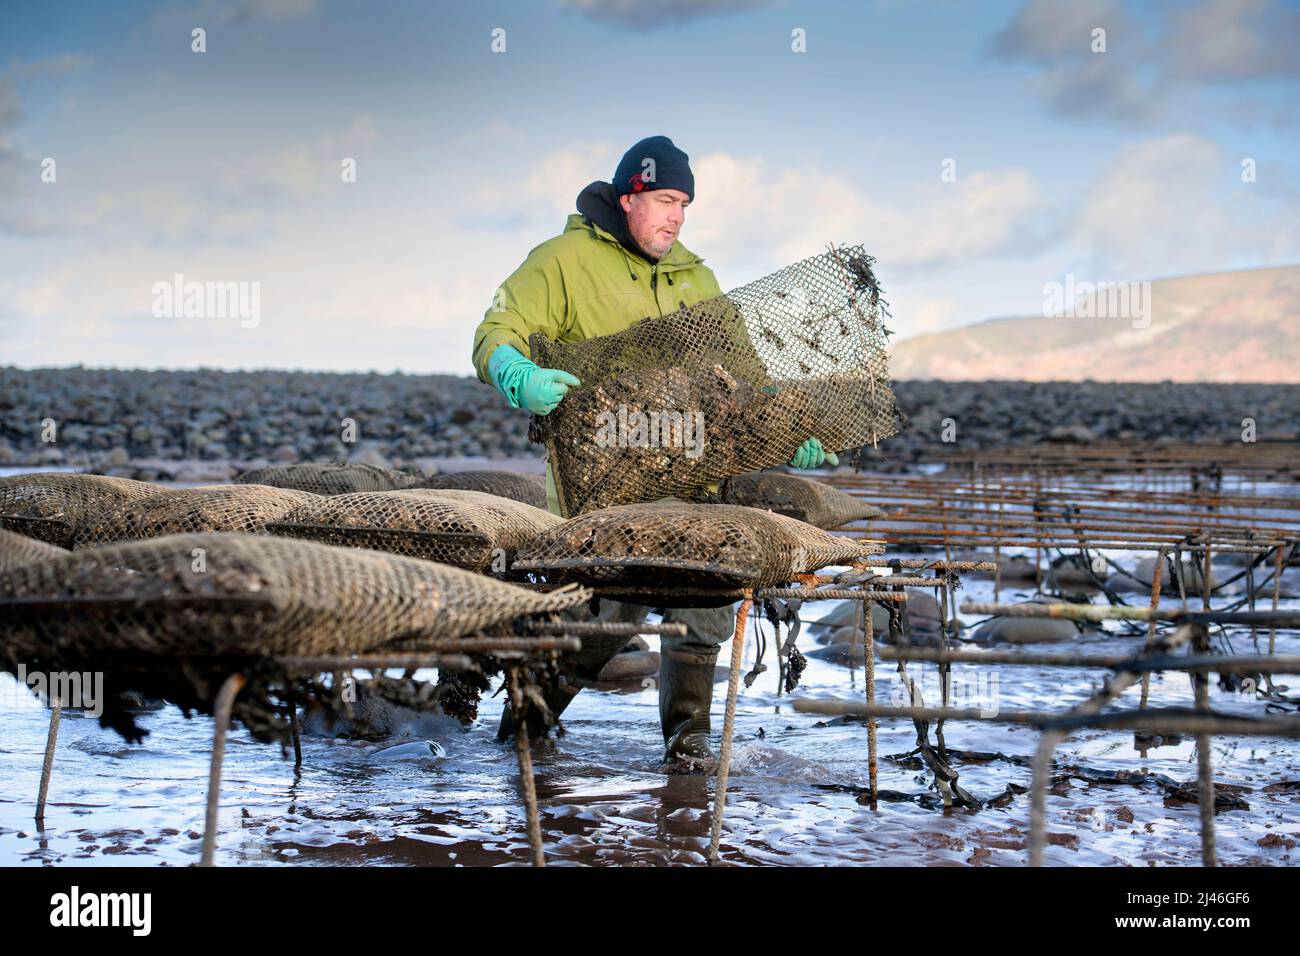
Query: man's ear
626, 202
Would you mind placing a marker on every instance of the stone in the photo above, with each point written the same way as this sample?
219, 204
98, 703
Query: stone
630, 665
202, 472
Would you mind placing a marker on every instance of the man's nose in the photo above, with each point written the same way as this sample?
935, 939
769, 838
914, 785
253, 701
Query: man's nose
676, 215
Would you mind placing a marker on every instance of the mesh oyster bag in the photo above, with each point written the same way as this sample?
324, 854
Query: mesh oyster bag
468, 529
18, 549
337, 478
246, 595
172, 617
52, 506
238, 509
801, 498
729, 385
683, 544
528, 488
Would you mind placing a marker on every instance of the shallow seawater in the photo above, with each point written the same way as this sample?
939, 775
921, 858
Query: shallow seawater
604, 801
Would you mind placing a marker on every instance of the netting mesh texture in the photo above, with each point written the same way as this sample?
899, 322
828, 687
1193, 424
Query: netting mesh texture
238, 509
18, 549
336, 478
800, 353
530, 489
53, 506
682, 544
800, 498
468, 529
171, 617
225, 594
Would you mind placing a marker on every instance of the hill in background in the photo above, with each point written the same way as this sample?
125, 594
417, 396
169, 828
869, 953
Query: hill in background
1221, 327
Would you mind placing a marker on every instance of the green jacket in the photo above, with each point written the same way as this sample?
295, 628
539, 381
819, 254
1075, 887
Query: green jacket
584, 283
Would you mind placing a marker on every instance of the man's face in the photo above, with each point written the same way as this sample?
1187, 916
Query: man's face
654, 218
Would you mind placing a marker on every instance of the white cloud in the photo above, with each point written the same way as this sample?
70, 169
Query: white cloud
1154, 211
308, 170
19, 172
1233, 40
544, 188
1048, 32
182, 17
1153, 67
640, 15
749, 213
279, 10
930, 315
391, 277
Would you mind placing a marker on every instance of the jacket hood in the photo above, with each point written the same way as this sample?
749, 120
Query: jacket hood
598, 206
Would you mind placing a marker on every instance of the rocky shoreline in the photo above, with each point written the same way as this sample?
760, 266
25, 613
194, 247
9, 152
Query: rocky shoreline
206, 425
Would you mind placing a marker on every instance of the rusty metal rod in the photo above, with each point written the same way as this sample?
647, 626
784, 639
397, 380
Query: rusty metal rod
1153, 721
380, 661
1084, 502
1155, 605
1012, 482
1097, 614
489, 645
1053, 737
1204, 770
527, 781
1243, 663
832, 594
610, 628
728, 730
922, 564
47, 765
1028, 520
901, 536
1016, 493
1227, 523
869, 634
806, 594
221, 723
1087, 499
906, 581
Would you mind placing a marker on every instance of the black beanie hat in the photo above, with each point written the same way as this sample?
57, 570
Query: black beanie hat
668, 168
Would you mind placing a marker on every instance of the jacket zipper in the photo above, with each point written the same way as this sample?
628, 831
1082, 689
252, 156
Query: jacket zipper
654, 286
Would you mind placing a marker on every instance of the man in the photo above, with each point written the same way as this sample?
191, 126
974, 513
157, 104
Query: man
618, 261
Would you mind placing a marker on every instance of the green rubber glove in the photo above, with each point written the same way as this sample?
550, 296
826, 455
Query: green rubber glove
811, 455
526, 384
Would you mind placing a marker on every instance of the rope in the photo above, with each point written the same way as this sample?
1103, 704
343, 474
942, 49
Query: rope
869, 635
526, 781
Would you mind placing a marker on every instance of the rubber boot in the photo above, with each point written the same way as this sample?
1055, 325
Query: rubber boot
685, 696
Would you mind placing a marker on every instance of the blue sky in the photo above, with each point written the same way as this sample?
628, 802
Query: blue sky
224, 165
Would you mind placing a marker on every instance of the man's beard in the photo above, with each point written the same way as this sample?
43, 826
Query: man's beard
655, 249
